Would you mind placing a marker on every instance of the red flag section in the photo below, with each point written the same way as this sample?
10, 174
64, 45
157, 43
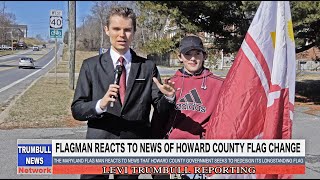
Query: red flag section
241, 108
257, 97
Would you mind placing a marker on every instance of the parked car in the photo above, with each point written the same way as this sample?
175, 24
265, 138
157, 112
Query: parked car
22, 45
35, 48
5, 47
26, 62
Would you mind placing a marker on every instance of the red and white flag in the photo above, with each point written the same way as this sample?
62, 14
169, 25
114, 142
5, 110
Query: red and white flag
257, 98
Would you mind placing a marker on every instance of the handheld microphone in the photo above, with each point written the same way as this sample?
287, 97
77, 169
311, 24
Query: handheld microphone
117, 74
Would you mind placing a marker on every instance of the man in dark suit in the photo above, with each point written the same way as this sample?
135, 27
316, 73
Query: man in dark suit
139, 88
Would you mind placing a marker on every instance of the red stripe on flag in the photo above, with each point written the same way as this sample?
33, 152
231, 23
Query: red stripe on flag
241, 107
256, 51
279, 124
291, 106
274, 88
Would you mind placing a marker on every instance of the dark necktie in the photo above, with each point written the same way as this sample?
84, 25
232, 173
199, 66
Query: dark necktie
122, 83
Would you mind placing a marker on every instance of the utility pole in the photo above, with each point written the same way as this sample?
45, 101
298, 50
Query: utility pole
11, 40
222, 59
4, 7
56, 57
72, 42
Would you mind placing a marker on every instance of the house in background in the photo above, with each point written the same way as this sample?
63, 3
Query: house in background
309, 59
13, 33
22, 29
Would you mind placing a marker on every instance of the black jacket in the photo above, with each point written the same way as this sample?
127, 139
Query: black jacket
96, 74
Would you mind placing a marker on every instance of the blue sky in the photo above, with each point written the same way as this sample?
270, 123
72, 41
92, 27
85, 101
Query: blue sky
36, 14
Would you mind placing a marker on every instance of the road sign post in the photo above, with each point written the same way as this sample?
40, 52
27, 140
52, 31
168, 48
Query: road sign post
56, 31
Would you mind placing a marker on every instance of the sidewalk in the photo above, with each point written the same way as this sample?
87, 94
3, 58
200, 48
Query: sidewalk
306, 127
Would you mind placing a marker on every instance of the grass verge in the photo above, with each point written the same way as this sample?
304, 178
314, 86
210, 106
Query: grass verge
63, 66
8, 52
45, 104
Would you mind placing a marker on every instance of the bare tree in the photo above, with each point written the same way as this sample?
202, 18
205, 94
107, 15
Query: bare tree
91, 34
99, 10
6, 21
39, 37
88, 34
3, 8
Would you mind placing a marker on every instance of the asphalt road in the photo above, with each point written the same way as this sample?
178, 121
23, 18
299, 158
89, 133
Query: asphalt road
14, 80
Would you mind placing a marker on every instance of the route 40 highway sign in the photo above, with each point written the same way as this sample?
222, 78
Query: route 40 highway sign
56, 24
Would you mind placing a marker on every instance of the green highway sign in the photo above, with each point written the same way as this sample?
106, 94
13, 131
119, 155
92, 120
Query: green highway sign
55, 33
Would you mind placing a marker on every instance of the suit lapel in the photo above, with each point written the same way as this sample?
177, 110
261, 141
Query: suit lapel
108, 78
108, 68
135, 66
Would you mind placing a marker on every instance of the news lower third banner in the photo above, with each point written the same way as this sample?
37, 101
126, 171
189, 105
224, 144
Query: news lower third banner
160, 156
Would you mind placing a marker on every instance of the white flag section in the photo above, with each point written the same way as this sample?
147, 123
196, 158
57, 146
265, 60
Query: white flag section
257, 98
283, 76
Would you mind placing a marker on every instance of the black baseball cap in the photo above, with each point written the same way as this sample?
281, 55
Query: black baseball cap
189, 43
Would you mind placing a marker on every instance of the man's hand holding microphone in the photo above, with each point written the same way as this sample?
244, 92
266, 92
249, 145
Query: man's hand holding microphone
112, 93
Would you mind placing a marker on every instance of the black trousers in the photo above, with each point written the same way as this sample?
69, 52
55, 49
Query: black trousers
161, 176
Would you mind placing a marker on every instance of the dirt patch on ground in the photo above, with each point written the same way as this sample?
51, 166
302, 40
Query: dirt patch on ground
51, 123
313, 109
71, 122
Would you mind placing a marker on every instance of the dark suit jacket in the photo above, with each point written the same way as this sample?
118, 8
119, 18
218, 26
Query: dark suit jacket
128, 121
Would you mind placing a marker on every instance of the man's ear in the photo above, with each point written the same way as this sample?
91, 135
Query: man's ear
106, 29
180, 58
